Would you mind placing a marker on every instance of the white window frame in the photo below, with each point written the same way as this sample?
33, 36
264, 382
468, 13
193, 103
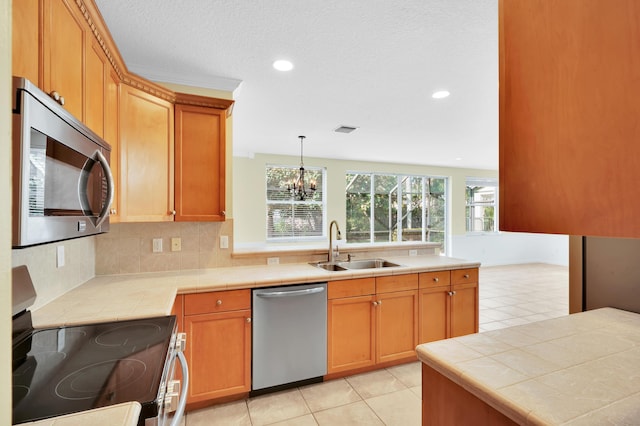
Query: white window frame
322, 202
482, 182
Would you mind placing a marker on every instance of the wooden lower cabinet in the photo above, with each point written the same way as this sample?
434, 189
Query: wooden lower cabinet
218, 327
366, 328
448, 304
351, 333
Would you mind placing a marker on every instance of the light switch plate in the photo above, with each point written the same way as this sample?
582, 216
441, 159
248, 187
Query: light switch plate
157, 245
176, 244
224, 241
59, 256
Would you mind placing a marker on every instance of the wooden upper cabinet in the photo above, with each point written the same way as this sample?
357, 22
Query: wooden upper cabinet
146, 157
112, 136
97, 69
63, 48
200, 163
25, 33
569, 108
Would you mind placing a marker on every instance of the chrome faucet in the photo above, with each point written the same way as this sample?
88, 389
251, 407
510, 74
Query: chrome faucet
332, 256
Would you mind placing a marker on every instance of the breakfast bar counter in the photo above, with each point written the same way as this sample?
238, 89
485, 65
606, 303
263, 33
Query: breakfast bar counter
580, 369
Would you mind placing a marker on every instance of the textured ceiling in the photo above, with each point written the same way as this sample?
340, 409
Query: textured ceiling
367, 63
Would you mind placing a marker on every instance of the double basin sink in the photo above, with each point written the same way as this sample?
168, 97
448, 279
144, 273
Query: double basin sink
354, 264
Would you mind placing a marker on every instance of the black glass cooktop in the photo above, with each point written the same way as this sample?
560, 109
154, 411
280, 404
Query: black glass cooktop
64, 370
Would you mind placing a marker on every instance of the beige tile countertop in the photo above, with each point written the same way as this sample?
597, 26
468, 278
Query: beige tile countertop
581, 369
122, 297
125, 414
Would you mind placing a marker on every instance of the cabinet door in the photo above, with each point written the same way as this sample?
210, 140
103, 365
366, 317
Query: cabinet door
111, 135
200, 163
95, 85
434, 314
63, 44
569, 106
464, 309
219, 354
351, 333
146, 157
397, 325
25, 32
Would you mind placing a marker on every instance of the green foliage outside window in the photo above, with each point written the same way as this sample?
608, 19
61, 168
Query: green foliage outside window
391, 208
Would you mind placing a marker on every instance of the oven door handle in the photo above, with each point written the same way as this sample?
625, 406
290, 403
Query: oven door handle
177, 417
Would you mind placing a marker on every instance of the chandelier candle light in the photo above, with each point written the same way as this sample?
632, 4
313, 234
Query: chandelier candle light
297, 189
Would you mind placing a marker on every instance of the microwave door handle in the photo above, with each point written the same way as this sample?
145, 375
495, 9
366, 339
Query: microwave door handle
104, 214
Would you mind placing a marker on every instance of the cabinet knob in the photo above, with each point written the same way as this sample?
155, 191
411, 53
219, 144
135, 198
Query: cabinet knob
466, 275
450, 293
55, 95
61, 100
248, 320
375, 303
380, 302
113, 211
219, 302
436, 279
173, 212
223, 213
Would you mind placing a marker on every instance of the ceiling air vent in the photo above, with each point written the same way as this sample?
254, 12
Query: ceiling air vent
345, 129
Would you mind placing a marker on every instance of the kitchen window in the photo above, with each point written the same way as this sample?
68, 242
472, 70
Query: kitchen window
481, 196
289, 218
383, 208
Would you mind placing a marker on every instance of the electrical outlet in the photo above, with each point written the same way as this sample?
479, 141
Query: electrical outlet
59, 256
157, 245
413, 252
273, 260
224, 241
176, 244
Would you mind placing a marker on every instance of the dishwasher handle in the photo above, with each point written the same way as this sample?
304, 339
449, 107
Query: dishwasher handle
292, 293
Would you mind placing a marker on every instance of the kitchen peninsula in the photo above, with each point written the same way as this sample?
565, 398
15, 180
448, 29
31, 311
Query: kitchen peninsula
575, 370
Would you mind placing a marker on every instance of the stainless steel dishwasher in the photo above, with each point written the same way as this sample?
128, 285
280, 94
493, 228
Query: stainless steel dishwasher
289, 335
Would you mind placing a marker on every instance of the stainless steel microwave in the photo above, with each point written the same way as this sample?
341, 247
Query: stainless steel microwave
62, 184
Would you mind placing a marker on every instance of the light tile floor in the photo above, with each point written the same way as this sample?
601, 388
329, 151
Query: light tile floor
509, 295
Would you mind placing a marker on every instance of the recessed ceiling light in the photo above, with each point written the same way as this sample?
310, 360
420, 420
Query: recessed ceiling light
282, 65
440, 94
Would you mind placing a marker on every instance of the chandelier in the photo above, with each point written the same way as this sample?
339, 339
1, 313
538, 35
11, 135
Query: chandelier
297, 189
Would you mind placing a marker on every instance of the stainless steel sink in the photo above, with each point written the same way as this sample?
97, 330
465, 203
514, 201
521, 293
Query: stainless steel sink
367, 264
354, 264
328, 266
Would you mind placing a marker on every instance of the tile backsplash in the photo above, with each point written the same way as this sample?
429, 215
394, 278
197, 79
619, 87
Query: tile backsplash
50, 281
128, 247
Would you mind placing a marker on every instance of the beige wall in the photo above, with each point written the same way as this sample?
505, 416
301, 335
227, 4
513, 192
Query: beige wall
5, 219
250, 186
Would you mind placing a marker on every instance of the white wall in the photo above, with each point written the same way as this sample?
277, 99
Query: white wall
506, 248
491, 249
5, 219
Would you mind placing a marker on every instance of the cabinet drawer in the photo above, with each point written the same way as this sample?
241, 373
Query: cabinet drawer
351, 288
217, 301
435, 279
461, 276
396, 283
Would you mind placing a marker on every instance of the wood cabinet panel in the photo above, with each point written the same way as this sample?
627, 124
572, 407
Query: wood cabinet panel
351, 288
464, 309
397, 325
464, 276
25, 33
200, 163
63, 44
396, 283
146, 157
219, 354
217, 301
112, 136
568, 117
95, 84
434, 314
435, 279
351, 333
